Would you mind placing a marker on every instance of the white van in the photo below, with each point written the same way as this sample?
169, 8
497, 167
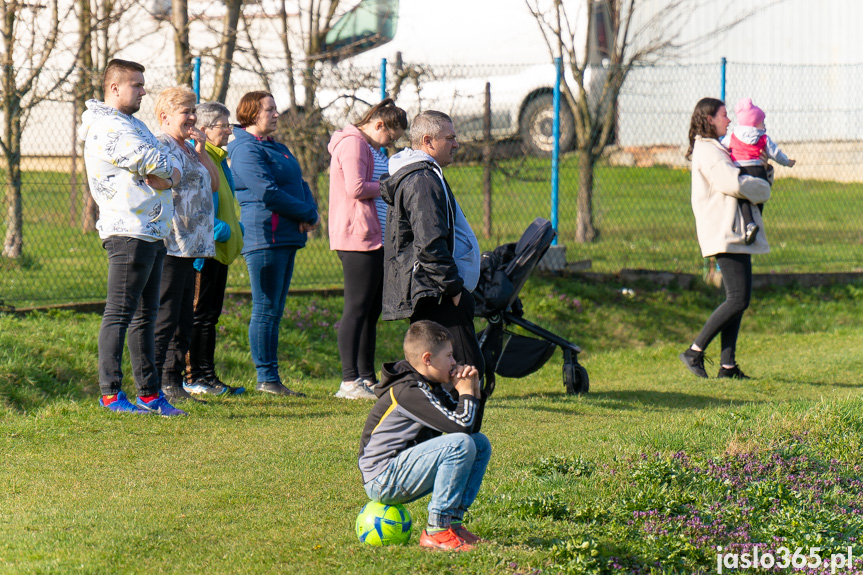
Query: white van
458, 46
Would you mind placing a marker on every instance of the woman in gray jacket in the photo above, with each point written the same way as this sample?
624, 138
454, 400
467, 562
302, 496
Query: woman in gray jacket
716, 187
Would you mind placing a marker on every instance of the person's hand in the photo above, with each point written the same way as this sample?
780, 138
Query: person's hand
465, 379
158, 183
200, 138
456, 299
791, 163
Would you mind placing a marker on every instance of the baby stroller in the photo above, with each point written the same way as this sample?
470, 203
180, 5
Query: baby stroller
504, 272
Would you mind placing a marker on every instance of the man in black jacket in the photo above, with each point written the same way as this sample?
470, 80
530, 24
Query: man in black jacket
431, 255
421, 439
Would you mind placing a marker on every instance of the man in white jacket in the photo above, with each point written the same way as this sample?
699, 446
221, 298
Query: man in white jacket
130, 176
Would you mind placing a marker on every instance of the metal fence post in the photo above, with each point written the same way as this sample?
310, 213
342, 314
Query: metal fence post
722, 79
196, 78
383, 78
555, 151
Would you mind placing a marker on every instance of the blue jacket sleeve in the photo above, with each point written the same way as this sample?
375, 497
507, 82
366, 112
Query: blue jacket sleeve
249, 165
221, 230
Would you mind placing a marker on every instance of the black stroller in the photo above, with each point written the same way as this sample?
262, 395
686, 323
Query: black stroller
503, 273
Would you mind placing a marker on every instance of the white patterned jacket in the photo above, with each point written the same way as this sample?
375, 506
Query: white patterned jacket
119, 153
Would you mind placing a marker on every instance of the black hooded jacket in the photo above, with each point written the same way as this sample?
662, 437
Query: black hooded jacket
409, 410
420, 238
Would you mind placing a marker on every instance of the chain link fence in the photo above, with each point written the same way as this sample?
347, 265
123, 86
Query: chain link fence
502, 175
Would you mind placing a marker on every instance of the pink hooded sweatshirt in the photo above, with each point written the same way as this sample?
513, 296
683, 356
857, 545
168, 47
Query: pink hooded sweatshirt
353, 220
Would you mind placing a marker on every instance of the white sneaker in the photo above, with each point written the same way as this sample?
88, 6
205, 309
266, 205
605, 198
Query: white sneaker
354, 390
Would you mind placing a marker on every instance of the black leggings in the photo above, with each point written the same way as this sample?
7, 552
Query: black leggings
364, 285
210, 285
745, 205
737, 278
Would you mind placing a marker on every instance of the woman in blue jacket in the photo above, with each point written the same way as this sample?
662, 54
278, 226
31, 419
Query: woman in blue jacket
277, 209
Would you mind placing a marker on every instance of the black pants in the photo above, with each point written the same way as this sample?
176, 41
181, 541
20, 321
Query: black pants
459, 322
134, 272
209, 297
174, 322
745, 205
364, 288
725, 320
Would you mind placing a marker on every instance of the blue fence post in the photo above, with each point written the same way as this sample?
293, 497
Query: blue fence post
555, 151
383, 78
196, 78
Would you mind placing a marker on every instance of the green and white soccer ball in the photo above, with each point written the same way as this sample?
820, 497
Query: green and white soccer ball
379, 524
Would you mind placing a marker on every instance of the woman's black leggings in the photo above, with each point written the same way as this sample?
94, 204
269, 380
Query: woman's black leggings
737, 278
364, 285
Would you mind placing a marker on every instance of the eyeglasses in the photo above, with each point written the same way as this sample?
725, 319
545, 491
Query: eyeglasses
219, 126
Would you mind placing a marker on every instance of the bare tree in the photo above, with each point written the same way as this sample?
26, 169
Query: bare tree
227, 45
182, 48
303, 126
28, 40
637, 37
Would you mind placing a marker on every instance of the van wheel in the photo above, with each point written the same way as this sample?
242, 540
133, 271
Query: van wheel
537, 123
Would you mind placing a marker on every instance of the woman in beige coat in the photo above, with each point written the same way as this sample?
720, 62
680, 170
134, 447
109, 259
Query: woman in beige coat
716, 187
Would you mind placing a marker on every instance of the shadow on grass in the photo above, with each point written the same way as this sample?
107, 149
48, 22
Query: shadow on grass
787, 380
619, 400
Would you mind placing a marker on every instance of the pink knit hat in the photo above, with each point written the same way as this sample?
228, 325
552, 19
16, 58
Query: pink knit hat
748, 114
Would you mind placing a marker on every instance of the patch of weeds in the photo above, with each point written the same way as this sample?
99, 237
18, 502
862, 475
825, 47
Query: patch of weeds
677, 509
563, 465
547, 505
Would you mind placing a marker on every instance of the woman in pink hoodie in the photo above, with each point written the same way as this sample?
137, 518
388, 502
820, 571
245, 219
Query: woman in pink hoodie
356, 233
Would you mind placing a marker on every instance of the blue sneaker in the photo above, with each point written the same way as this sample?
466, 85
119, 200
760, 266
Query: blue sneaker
121, 405
160, 406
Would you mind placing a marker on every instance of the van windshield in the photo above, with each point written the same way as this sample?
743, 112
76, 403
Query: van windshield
370, 24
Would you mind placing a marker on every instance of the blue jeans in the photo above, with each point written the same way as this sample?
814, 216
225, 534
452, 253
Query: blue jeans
450, 467
134, 274
270, 271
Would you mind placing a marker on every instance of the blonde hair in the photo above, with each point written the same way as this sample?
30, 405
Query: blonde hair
171, 99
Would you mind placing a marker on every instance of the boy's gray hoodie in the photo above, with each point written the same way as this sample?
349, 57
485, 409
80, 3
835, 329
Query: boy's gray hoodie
466, 250
119, 153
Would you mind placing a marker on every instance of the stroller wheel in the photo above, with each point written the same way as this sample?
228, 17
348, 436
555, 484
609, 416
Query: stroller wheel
575, 379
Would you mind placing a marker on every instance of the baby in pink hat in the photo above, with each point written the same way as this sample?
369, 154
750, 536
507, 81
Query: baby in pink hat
747, 142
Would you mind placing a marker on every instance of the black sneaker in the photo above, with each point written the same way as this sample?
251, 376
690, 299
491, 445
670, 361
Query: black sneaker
694, 360
177, 393
276, 388
733, 373
751, 232
229, 388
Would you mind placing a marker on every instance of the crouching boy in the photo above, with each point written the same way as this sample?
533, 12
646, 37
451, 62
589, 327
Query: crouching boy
421, 439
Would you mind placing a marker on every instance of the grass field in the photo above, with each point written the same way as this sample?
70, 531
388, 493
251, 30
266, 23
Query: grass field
648, 473
643, 215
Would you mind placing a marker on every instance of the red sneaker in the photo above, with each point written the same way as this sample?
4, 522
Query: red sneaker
468, 537
444, 540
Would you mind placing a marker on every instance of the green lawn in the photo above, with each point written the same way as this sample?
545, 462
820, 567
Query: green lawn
648, 473
643, 216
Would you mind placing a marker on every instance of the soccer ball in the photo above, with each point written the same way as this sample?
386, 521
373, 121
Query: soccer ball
379, 524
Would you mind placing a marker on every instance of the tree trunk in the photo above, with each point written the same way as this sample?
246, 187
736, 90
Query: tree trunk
226, 51
182, 49
585, 232
86, 89
14, 240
